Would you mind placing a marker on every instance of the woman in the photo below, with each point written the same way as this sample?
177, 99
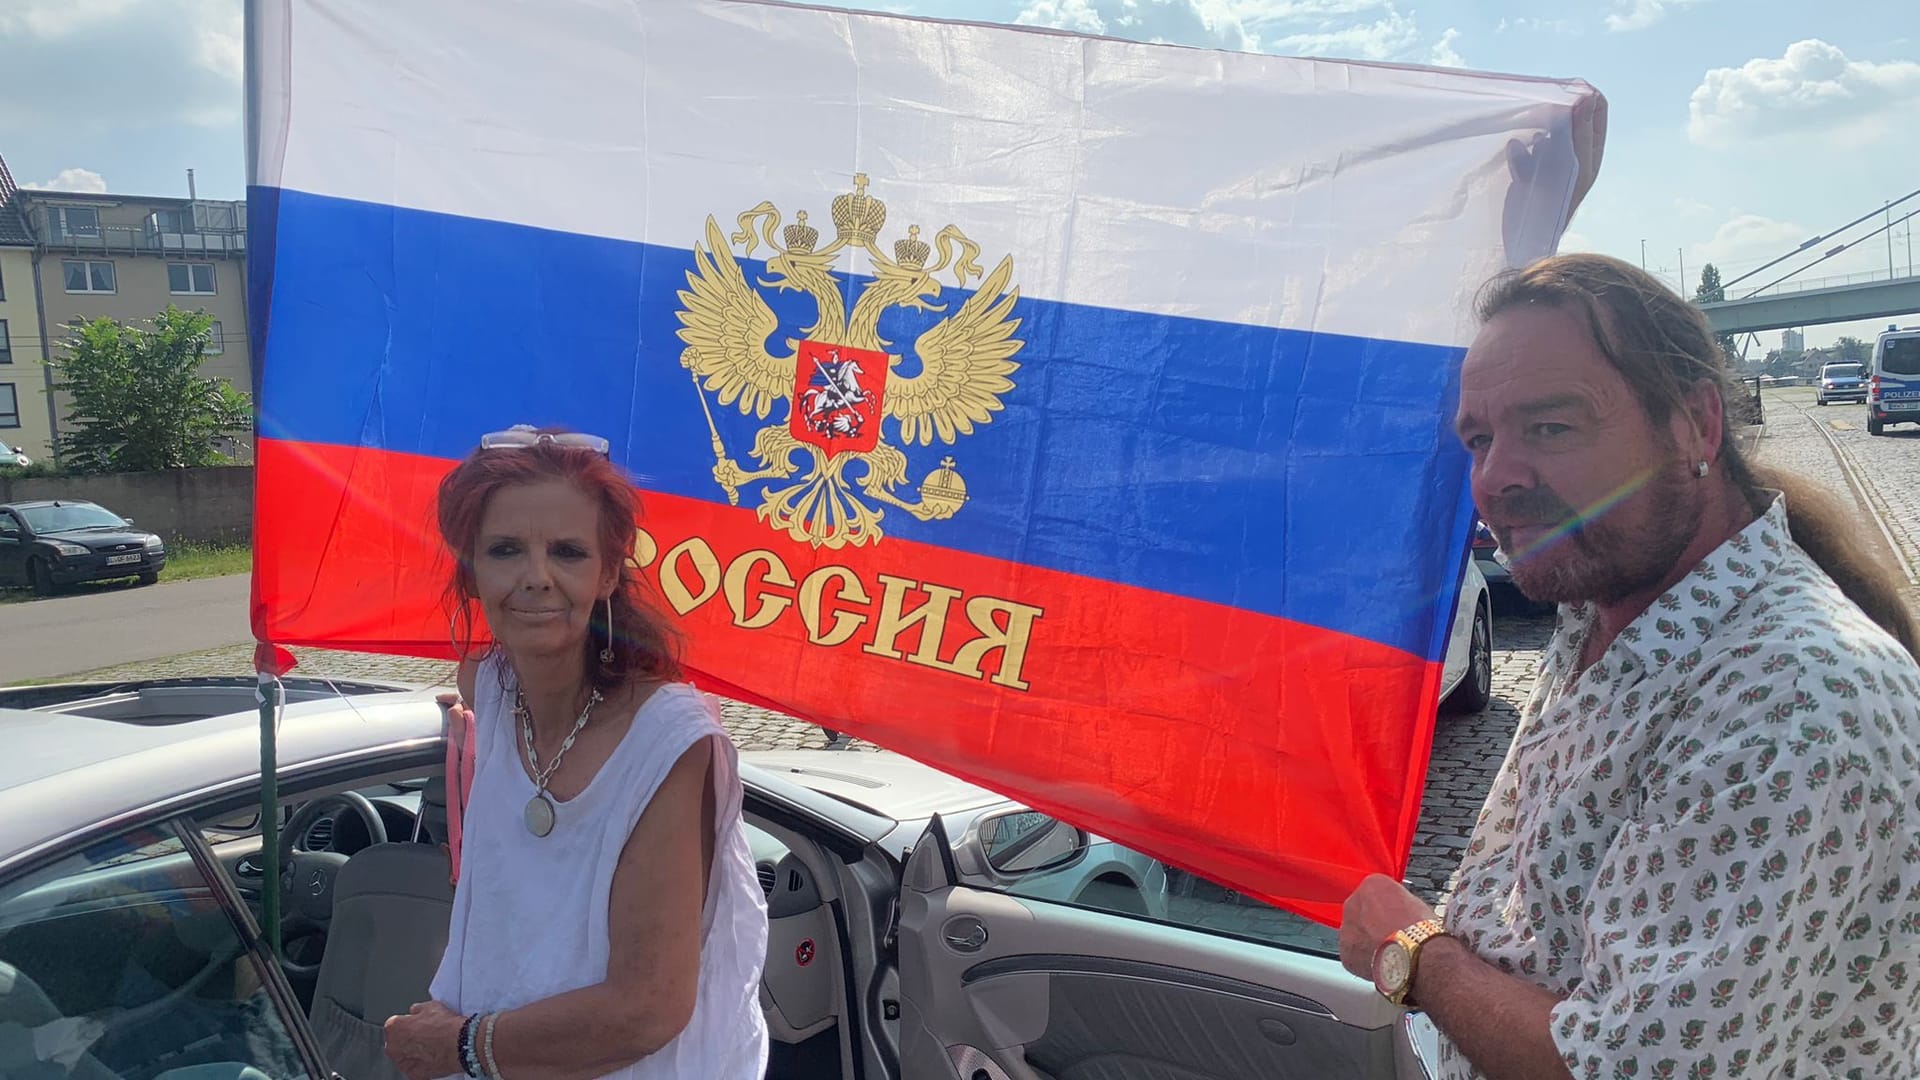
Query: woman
607, 920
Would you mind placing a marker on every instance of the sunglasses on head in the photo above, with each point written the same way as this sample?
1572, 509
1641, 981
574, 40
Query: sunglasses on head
521, 436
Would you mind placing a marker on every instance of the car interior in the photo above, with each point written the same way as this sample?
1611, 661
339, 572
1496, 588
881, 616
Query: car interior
366, 901
364, 943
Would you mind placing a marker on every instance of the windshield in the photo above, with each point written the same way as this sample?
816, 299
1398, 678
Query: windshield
1841, 371
52, 519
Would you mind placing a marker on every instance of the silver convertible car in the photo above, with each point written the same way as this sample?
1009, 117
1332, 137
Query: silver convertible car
920, 926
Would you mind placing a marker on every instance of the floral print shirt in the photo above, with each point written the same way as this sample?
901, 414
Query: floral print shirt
1709, 841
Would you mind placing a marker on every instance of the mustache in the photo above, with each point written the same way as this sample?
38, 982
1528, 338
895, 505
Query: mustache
1534, 506
1543, 506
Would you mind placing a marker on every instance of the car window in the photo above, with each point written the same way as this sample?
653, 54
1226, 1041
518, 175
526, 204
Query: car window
1900, 356
1034, 857
120, 961
1842, 371
49, 519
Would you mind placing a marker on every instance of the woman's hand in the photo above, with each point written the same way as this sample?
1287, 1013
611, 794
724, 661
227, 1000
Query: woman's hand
455, 706
425, 1043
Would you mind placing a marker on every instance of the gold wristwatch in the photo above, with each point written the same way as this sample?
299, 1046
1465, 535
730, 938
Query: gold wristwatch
1397, 957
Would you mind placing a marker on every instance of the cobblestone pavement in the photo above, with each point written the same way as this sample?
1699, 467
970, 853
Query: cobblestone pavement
1886, 466
752, 728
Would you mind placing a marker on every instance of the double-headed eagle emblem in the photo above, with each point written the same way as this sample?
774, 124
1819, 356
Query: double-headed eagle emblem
839, 377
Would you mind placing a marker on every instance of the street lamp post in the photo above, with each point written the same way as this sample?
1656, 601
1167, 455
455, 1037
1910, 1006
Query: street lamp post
1643, 254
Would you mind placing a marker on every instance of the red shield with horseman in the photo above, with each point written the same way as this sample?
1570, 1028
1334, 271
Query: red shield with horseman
837, 393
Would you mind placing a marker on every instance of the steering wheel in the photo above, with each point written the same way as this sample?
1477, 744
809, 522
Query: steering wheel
306, 877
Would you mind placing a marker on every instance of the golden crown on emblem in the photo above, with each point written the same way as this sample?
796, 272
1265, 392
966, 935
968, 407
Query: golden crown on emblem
800, 236
858, 216
912, 252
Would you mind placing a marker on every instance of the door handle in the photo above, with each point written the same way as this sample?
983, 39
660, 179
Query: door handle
964, 933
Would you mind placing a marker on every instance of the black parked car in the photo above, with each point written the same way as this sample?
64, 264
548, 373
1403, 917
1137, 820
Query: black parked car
63, 542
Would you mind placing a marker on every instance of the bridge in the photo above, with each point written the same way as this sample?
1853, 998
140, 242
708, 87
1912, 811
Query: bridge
1793, 301
1811, 302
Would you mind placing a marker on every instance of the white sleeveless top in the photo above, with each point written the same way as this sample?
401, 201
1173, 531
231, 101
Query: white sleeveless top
530, 913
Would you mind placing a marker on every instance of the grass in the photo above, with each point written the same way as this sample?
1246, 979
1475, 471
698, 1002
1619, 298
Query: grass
189, 562
185, 562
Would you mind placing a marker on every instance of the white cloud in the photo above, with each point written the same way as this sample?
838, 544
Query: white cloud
220, 45
147, 64
1531, 24
1691, 207
1392, 36
1747, 241
1353, 29
84, 180
1206, 23
1574, 241
1813, 87
51, 19
1640, 14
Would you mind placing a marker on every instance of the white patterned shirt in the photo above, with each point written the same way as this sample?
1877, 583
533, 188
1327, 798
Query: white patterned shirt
1709, 841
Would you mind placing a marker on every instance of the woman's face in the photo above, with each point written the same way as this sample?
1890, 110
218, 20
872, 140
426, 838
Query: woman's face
538, 567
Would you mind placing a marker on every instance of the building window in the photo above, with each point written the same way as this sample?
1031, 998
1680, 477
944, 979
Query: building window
81, 221
174, 221
6, 344
9, 406
190, 279
216, 339
84, 276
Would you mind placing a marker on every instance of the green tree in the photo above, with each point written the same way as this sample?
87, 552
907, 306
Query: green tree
1851, 348
139, 401
1710, 290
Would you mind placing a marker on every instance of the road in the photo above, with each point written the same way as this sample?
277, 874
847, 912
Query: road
41, 639
1875, 475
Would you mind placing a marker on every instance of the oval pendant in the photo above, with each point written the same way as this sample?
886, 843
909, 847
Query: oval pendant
539, 815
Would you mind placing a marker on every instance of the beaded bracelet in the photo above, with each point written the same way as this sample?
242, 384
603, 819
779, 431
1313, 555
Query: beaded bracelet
469, 1057
486, 1047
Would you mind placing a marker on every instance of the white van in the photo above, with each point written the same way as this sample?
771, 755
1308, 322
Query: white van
1893, 379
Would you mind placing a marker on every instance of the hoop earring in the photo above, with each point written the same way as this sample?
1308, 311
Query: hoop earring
453, 638
606, 654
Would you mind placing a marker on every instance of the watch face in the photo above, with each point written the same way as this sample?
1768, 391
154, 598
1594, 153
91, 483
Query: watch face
1391, 968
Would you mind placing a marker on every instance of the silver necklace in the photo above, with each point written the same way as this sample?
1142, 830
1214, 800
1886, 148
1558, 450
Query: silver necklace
539, 814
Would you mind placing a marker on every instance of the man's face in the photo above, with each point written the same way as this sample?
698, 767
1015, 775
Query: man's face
1589, 499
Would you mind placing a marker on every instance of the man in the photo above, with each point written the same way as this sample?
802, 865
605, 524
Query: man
1699, 857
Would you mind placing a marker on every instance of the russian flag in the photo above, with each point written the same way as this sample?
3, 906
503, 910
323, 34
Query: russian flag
1070, 413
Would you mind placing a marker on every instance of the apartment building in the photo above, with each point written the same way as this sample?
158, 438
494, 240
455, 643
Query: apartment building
126, 258
25, 420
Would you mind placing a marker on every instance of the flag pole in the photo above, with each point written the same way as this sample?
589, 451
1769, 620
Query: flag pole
269, 697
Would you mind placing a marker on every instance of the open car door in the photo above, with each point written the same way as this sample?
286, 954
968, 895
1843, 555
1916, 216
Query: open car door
998, 983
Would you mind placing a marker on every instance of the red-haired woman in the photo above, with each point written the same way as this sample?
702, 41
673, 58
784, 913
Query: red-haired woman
607, 921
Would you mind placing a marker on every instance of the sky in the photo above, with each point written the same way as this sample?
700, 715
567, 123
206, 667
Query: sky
1737, 128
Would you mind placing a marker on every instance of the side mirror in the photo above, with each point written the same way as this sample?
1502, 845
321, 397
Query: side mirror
1019, 842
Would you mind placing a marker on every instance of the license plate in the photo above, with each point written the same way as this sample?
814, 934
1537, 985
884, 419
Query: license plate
122, 560
1902, 406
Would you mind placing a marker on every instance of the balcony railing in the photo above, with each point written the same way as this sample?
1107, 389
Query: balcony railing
146, 239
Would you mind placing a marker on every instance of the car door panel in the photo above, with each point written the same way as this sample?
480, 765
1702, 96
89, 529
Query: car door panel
1051, 992
13, 550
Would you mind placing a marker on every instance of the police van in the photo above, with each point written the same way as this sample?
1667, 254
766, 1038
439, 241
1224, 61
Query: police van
1893, 379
